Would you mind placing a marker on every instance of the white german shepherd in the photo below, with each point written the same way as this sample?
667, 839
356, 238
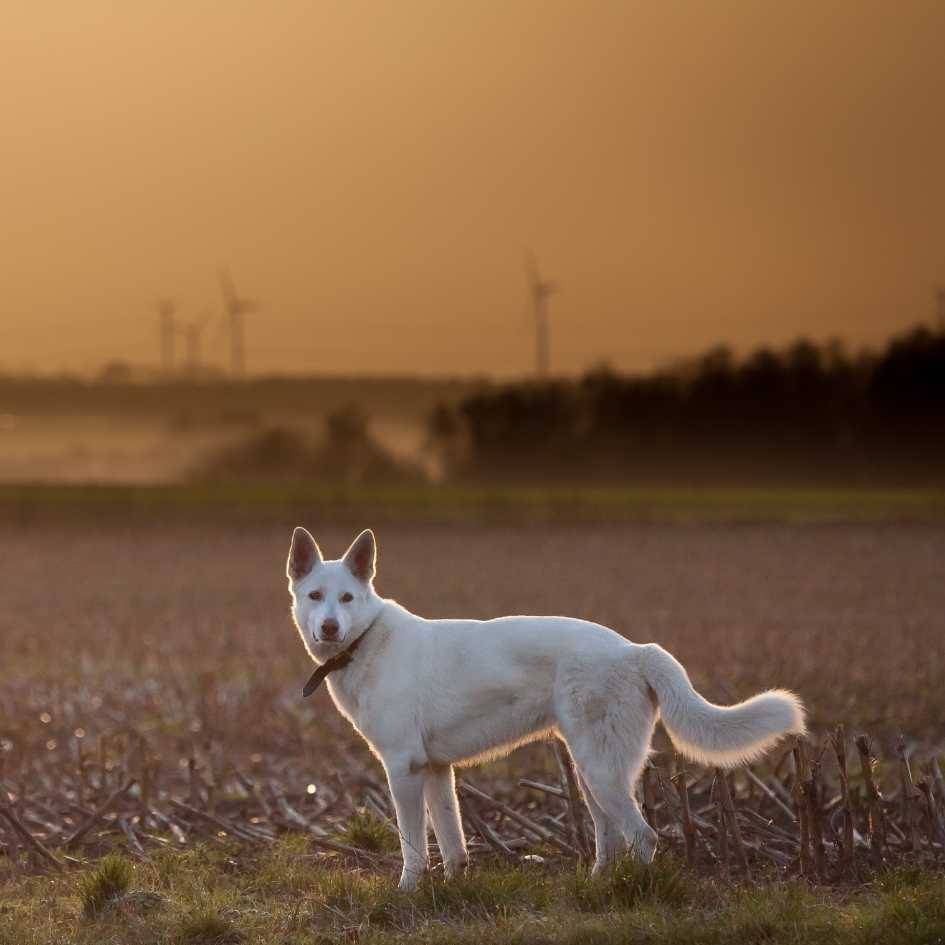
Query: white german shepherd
430, 694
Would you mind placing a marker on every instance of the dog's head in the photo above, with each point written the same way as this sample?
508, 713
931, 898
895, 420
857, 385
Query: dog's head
332, 601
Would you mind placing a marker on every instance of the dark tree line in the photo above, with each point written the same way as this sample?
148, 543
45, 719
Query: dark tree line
808, 412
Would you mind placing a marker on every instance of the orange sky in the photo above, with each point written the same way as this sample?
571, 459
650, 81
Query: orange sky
372, 172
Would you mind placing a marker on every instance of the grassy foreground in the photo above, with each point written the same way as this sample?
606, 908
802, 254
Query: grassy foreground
288, 894
451, 503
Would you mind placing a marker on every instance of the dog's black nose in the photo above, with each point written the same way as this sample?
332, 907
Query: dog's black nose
329, 629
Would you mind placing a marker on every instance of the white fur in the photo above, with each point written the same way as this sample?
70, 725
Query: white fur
431, 694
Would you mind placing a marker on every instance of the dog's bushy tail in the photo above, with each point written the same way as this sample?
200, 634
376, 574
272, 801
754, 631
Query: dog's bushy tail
714, 734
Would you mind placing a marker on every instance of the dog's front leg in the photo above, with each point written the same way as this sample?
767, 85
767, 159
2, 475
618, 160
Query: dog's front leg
439, 789
406, 788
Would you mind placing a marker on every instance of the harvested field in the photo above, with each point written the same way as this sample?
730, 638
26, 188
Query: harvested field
151, 689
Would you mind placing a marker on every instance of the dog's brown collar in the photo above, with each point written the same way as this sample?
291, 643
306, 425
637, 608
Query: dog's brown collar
335, 663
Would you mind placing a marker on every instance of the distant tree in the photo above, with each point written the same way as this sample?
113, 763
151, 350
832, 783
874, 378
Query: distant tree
909, 378
346, 428
116, 372
809, 410
717, 362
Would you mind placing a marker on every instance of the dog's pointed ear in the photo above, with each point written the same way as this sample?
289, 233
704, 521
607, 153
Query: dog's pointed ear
361, 557
304, 554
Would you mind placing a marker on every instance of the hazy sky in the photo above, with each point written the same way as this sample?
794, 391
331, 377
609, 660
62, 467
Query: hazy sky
372, 172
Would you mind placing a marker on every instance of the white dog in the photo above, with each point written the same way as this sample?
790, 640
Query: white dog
430, 694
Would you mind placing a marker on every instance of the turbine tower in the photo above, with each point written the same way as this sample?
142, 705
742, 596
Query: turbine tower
541, 290
235, 308
193, 335
166, 328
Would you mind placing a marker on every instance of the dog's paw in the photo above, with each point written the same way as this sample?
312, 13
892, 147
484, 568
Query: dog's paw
455, 867
409, 879
644, 844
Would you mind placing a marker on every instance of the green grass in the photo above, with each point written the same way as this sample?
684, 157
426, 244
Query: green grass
205, 926
222, 895
105, 884
631, 883
368, 832
281, 501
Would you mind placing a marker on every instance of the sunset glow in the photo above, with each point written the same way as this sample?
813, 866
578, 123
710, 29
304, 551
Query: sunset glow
373, 174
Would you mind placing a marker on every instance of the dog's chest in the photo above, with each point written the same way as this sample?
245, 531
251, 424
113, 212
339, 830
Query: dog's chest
372, 696
345, 697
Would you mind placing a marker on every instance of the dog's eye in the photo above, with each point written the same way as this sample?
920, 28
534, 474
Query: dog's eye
316, 595
346, 598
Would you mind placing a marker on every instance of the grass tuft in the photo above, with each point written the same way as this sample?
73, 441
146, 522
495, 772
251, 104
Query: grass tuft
358, 898
485, 891
108, 882
368, 832
630, 883
205, 926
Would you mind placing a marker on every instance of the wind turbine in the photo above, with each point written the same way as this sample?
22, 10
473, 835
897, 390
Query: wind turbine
166, 328
541, 290
235, 308
193, 332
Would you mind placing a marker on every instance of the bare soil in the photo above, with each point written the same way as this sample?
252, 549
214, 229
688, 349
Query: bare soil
850, 616
164, 654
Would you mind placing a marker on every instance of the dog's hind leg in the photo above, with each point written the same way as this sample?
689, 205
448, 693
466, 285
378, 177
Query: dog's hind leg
608, 840
609, 742
439, 792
